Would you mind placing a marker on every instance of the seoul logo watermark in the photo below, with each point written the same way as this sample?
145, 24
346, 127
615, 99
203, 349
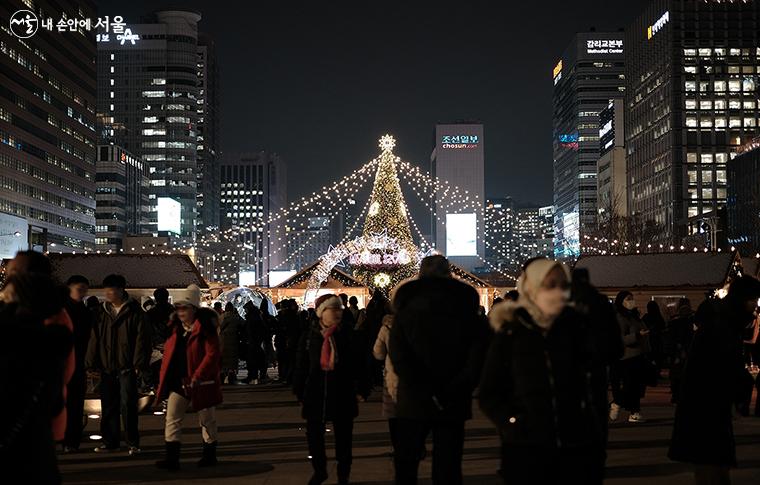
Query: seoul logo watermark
24, 24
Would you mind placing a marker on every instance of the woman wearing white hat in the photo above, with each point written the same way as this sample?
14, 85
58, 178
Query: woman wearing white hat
190, 373
535, 384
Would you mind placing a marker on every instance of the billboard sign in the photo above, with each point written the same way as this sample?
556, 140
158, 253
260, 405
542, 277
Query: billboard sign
169, 215
278, 276
461, 235
458, 142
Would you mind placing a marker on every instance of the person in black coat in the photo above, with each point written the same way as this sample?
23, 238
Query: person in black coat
436, 345
81, 319
328, 381
256, 332
31, 364
536, 386
712, 377
676, 342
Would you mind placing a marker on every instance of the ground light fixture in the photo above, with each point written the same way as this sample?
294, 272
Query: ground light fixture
96, 437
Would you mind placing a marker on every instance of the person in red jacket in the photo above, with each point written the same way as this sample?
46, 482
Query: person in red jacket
190, 374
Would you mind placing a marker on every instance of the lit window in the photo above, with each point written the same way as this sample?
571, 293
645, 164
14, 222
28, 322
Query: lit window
707, 176
691, 104
691, 121
720, 176
705, 122
748, 84
690, 85
693, 194
692, 176
705, 104
734, 85
690, 52
750, 122
721, 193
690, 69
707, 158
720, 104
693, 211
720, 51
707, 193
705, 52
719, 86
720, 122
735, 52
691, 158
704, 86
734, 122
721, 158
749, 104
734, 103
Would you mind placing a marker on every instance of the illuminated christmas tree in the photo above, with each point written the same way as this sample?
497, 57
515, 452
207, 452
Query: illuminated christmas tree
390, 254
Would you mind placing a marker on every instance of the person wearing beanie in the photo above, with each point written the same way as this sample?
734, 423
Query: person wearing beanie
190, 374
119, 348
539, 397
328, 380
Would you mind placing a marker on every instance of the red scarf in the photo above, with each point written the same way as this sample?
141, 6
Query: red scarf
329, 356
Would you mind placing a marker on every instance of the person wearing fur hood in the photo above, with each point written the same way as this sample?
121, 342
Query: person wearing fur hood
535, 385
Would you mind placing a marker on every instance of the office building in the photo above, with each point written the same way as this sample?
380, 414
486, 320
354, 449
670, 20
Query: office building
252, 194
500, 246
458, 160
691, 102
611, 188
121, 194
207, 175
743, 202
148, 92
587, 76
533, 233
47, 126
308, 240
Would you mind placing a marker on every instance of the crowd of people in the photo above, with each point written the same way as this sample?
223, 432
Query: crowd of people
556, 365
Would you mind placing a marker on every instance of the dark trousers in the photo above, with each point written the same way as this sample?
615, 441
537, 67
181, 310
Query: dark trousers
535, 465
256, 363
616, 382
75, 391
118, 397
283, 364
634, 385
448, 444
343, 432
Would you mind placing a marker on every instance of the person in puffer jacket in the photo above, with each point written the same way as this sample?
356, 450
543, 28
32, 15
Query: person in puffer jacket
536, 385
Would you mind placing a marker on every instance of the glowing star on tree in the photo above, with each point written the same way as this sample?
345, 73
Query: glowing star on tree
387, 143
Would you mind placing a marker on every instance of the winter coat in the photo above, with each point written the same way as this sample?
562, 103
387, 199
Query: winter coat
159, 322
703, 428
120, 343
228, 334
390, 379
634, 343
329, 395
437, 345
203, 361
69, 366
33, 376
535, 386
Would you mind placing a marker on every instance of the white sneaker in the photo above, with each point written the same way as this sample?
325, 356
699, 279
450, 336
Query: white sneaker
636, 418
133, 450
105, 449
614, 411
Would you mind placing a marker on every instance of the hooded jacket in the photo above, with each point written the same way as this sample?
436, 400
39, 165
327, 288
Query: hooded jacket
122, 342
535, 384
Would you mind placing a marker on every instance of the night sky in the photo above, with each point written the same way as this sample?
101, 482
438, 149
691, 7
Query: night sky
319, 83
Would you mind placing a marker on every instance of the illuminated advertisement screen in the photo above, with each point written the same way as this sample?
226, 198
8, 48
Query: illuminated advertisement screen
169, 212
461, 235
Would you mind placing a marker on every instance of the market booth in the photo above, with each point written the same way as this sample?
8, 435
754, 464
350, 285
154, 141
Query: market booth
337, 282
665, 277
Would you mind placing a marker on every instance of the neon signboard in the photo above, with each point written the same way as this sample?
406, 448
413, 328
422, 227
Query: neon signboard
604, 46
658, 25
460, 141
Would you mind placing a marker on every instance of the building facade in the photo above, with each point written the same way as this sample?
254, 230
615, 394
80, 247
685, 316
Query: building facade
252, 194
500, 247
308, 240
588, 75
533, 233
458, 160
148, 92
691, 102
47, 126
121, 194
743, 202
611, 188
207, 175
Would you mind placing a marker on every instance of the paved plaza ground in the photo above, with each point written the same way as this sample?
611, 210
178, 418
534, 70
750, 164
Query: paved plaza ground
262, 441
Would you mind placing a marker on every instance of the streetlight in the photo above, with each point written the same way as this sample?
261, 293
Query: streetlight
15, 234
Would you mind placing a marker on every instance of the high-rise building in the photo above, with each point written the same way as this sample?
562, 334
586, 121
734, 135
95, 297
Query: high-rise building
252, 192
691, 102
308, 241
533, 233
611, 188
47, 126
207, 175
458, 160
743, 200
148, 92
587, 76
122, 197
500, 246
